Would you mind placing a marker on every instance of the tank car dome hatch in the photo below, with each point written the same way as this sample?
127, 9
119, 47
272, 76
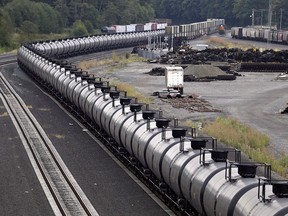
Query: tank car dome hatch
98, 84
85, 76
178, 132
135, 107
125, 101
148, 114
219, 155
114, 94
280, 189
162, 123
105, 89
91, 80
76, 73
198, 144
247, 170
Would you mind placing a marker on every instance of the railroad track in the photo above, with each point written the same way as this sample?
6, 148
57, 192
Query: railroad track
63, 192
8, 59
8, 62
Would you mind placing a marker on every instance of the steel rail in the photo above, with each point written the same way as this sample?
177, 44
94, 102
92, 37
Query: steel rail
66, 194
8, 62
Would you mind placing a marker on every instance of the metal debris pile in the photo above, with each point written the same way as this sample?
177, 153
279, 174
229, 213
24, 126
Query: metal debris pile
234, 55
199, 73
192, 103
285, 111
158, 71
263, 67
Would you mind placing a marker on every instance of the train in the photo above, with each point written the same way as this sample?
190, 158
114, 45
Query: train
75, 46
260, 33
221, 29
181, 164
194, 30
151, 26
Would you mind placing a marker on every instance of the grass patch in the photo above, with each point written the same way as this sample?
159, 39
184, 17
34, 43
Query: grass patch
247, 139
5, 114
19, 38
59, 136
116, 62
194, 124
222, 43
131, 92
236, 134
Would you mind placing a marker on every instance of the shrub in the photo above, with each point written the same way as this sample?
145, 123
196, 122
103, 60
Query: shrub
79, 29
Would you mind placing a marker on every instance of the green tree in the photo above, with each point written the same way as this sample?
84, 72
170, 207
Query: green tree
43, 15
5, 29
63, 10
79, 29
89, 26
29, 27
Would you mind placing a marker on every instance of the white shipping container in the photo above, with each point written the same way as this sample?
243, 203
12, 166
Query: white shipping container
120, 28
131, 28
147, 27
161, 25
174, 77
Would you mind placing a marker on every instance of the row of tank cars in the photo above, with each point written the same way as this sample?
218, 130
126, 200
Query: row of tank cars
260, 33
194, 30
196, 176
77, 46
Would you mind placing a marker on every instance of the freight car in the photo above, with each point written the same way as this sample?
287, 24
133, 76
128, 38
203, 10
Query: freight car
108, 29
200, 176
260, 34
194, 30
151, 26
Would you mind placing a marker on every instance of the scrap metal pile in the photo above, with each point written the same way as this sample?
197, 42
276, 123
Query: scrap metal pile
200, 73
251, 60
192, 103
285, 111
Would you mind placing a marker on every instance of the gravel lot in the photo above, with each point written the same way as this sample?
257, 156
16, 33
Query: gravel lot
254, 98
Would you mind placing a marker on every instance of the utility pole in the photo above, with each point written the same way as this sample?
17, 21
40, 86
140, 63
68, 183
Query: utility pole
262, 17
253, 17
270, 14
281, 15
270, 11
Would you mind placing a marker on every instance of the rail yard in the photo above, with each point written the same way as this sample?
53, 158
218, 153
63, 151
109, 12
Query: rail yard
140, 136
